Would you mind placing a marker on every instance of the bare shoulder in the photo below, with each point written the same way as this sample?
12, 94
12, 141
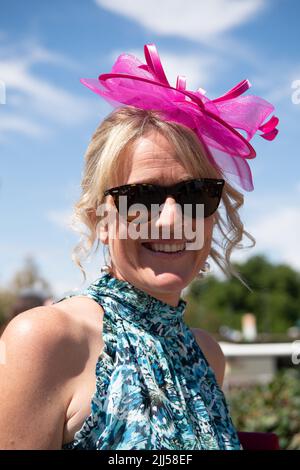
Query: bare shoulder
58, 334
81, 308
47, 338
56, 323
34, 379
40, 328
46, 349
212, 351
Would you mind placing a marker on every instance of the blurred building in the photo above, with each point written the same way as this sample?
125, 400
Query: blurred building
247, 364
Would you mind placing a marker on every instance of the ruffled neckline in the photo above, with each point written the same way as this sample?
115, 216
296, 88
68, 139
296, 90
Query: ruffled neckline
139, 307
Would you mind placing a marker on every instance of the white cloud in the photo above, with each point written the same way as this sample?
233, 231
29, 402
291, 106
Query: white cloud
275, 224
209, 23
34, 104
32, 53
278, 233
61, 218
191, 19
65, 219
39, 54
13, 123
276, 86
197, 69
45, 98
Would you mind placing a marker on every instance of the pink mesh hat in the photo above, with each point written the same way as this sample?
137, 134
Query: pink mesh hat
217, 122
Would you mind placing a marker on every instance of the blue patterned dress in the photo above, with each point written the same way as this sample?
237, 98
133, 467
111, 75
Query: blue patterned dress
154, 386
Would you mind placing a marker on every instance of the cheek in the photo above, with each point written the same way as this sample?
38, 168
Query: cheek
208, 228
206, 237
122, 244
204, 230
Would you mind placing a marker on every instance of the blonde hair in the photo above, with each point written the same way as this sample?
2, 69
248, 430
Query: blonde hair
120, 129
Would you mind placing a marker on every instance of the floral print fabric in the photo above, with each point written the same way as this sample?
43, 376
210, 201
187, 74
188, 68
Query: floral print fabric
154, 386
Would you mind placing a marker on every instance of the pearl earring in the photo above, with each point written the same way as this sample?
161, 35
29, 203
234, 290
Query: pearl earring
205, 270
105, 268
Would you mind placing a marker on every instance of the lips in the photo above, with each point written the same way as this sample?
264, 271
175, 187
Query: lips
165, 241
165, 247
158, 249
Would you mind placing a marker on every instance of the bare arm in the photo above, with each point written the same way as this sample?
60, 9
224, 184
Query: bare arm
33, 380
213, 353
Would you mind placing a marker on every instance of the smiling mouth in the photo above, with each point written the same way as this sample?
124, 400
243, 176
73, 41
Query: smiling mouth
165, 247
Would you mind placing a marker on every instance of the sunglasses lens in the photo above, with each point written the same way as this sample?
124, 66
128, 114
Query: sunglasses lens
140, 201
200, 202
144, 200
196, 193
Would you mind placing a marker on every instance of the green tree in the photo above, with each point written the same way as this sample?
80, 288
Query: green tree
274, 298
29, 277
7, 298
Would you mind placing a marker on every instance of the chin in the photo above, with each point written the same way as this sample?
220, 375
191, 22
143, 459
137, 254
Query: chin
170, 281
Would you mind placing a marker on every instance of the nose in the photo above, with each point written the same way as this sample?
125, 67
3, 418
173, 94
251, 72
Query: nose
170, 215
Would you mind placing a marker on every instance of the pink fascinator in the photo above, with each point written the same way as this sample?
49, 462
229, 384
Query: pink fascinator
217, 122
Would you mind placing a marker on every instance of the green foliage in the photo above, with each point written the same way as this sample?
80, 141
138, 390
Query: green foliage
28, 277
274, 298
270, 408
7, 298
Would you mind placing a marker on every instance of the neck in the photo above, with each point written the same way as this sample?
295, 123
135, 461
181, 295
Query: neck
171, 298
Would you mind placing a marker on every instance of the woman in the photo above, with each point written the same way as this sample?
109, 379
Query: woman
117, 367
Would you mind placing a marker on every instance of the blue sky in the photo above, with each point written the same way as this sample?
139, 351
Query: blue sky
49, 117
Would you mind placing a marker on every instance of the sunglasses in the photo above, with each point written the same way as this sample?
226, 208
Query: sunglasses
206, 191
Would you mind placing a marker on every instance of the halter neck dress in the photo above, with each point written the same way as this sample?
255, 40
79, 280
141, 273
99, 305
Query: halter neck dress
154, 386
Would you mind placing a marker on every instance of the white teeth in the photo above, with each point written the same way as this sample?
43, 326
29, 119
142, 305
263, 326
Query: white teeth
167, 247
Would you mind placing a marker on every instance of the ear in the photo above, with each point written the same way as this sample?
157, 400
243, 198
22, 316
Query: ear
104, 217
100, 225
102, 232
91, 213
216, 217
